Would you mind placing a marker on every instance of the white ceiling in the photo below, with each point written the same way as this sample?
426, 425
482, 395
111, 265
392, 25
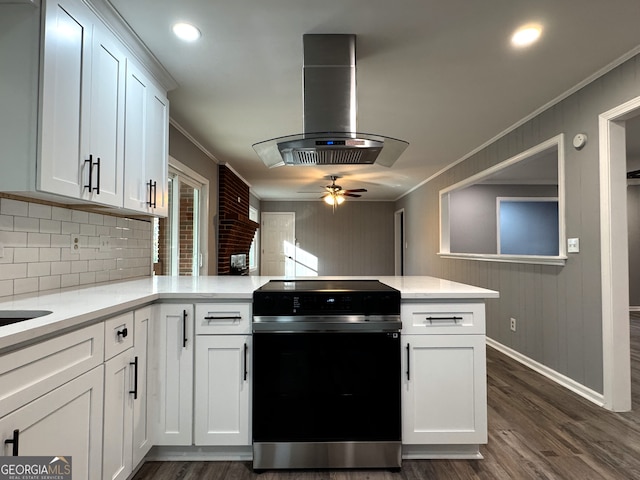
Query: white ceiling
439, 74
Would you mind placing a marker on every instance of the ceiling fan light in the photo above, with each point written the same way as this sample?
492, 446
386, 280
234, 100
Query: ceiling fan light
339, 199
329, 200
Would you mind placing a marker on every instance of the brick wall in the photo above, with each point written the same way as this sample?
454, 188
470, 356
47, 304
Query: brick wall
186, 230
235, 230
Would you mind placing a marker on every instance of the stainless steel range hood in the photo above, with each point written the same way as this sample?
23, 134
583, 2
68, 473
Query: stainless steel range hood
330, 136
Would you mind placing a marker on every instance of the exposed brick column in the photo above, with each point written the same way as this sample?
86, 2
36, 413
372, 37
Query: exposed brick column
235, 230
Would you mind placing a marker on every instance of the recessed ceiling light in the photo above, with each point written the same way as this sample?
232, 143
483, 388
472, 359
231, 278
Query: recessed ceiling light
186, 32
526, 35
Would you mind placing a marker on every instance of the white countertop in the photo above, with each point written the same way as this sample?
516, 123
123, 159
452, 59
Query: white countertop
72, 307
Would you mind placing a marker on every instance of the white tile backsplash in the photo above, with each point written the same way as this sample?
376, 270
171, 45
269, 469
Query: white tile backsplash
37, 247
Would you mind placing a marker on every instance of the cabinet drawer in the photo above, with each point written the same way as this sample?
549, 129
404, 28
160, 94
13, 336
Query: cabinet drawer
118, 334
220, 318
443, 318
35, 370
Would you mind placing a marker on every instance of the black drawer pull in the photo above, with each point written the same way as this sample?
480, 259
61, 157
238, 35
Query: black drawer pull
235, 317
122, 333
432, 319
14, 440
408, 360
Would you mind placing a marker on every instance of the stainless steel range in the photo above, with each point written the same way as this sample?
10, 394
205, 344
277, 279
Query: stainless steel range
326, 384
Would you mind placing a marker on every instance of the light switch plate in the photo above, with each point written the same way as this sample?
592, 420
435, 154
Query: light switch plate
573, 245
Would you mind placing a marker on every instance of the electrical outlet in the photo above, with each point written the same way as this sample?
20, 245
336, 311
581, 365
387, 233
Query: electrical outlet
75, 243
512, 325
105, 243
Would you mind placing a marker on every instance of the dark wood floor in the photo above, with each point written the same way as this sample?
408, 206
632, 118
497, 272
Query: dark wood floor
537, 430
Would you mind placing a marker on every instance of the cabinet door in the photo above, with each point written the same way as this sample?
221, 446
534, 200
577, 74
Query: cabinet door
222, 390
158, 148
444, 391
142, 434
118, 417
66, 95
104, 137
65, 422
172, 374
146, 131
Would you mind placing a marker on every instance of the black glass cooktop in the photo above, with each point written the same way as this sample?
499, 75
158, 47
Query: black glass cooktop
325, 297
325, 286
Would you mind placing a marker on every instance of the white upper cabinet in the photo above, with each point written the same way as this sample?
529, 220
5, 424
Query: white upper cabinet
72, 123
146, 148
83, 82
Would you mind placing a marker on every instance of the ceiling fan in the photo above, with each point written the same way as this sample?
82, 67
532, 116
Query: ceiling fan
335, 194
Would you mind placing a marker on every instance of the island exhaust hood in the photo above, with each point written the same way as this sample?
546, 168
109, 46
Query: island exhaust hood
330, 136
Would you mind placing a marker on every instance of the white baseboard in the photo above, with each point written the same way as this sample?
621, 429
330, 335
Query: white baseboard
551, 374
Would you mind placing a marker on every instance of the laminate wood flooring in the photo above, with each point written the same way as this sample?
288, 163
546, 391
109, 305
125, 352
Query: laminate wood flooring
537, 430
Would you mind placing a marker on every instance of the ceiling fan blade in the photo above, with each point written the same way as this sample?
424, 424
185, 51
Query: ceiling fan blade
347, 194
356, 190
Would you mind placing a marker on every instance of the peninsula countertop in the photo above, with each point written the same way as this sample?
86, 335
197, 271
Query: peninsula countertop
73, 307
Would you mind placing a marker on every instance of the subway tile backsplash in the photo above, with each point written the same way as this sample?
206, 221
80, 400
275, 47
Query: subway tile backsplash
45, 247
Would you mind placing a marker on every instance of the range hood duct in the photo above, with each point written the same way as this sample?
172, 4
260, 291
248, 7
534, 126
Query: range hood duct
330, 136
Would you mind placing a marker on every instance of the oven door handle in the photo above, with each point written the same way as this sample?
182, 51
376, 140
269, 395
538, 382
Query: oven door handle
408, 362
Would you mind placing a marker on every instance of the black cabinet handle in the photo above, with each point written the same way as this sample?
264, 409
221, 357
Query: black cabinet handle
245, 361
155, 193
97, 189
122, 333
90, 186
432, 319
90, 162
408, 361
14, 441
230, 317
153, 189
135, 378
184, 329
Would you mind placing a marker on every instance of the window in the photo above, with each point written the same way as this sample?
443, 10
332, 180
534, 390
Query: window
180, 240
511, 212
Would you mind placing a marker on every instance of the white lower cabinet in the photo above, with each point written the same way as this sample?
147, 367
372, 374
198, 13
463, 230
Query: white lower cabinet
222, 390
126, 428
444, 389
118, 417
171, 374
64, 422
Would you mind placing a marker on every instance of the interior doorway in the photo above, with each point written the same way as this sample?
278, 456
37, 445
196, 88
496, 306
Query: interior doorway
614, 245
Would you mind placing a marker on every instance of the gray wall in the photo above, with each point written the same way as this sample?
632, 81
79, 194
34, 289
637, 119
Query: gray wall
183, 150
473, 209
558, 308
355, 240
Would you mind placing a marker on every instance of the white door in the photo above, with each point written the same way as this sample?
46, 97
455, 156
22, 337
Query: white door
278, 243
171, 374
444, 389
142, 437
65, 97
65, 422
222, 390
118, 413
104, 140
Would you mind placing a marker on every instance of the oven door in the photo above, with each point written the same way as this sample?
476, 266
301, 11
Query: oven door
326, 387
